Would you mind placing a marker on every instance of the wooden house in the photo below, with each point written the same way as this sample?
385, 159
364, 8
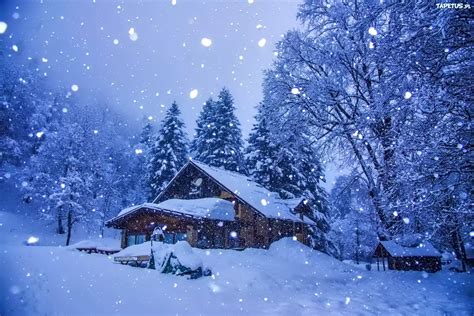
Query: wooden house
423, 257
214, 208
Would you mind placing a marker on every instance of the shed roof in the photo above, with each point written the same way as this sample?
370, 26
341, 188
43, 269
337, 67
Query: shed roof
424, 249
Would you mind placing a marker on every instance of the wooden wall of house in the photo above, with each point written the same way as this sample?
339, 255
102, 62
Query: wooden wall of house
430, 264
144, 223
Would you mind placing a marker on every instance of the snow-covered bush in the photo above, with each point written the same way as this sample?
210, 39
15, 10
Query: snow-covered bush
179, 259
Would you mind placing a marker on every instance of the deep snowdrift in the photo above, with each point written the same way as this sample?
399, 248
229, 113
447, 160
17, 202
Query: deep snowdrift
288, 279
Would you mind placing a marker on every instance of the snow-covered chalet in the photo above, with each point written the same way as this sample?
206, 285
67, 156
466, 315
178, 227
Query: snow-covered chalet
214, 208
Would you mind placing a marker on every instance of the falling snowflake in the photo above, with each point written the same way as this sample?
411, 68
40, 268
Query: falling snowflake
372, 31
3, 27
44, 60
262, 42
407, 95
395, 213
74, 87
39, 134
116, 41
406, 220
250, 1
173, 2
138, 151
193, 94
64, 110
132, 34
15, 48
233, 234
206, 42
295, 91
371, 45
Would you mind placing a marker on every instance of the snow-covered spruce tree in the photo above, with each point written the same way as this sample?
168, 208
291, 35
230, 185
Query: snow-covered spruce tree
218, 140
261, 153
142, 151
168, 152
200, 148
284, 160
146, 137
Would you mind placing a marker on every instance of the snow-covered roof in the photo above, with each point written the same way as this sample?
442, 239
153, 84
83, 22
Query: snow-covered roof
266, 202
213, 208
293, 203
128, 210
424, 249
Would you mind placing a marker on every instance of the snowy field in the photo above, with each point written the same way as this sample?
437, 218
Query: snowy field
288, 279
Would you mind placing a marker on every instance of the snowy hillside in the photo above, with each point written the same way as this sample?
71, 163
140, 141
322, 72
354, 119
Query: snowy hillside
287, 279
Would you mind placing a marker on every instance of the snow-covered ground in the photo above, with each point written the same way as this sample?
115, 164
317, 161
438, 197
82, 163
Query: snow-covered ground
288, 279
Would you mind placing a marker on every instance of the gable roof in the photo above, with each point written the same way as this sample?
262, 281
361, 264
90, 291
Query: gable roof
262, 200
266, 203
424, 249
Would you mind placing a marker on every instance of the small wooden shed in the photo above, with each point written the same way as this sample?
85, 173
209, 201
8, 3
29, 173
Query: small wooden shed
423, 257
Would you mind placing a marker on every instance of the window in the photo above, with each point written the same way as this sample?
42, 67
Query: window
139, 239
130, 240
169, 238
180, 236
135, 239
172, 238
219, 239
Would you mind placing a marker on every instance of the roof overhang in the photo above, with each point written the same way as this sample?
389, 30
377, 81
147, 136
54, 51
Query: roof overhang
119, 221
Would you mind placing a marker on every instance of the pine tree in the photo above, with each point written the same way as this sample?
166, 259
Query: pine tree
168, 152
146, 137
261, 153
205, 131
218, 141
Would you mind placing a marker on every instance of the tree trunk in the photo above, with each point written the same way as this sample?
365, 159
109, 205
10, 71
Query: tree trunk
458, 246
60, 229
69, 227
357, 242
